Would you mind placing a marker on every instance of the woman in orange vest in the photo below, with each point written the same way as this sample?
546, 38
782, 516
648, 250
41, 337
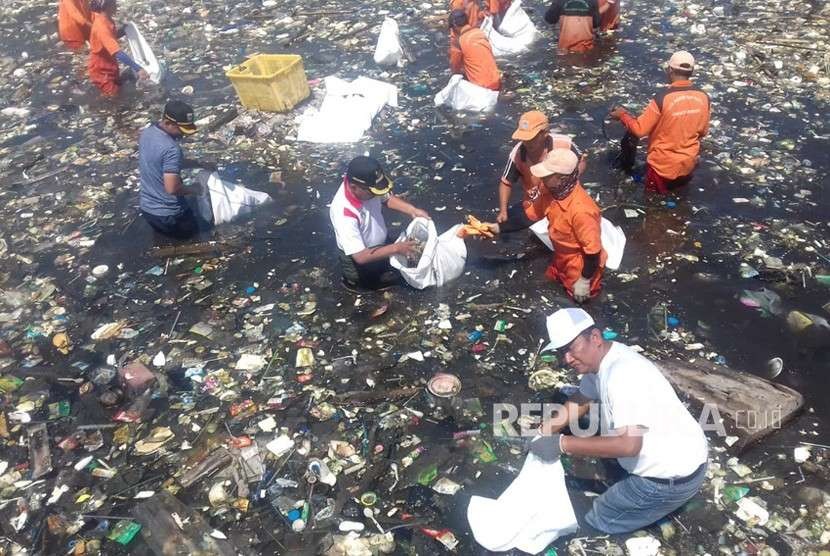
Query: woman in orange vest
573, 225
104, 51
74, 22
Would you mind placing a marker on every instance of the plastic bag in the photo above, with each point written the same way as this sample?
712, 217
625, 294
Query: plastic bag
143, 54
460, 94
442, 259
223, 202
515, 34
388, 51
347, 110
611, 236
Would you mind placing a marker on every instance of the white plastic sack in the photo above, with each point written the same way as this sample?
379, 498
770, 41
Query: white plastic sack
223, 201
460, 94
388, 51
611, 236
533, 512
347, 110
442, 260
142, 53
515, 34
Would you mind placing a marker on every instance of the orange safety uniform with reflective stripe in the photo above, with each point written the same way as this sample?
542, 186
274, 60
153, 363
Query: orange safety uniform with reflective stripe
518, 166
611, 18
675, 121
577, 20
103, 46
574, 230
74, 22
477, 61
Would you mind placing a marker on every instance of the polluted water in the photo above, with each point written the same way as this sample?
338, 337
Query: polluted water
227, 395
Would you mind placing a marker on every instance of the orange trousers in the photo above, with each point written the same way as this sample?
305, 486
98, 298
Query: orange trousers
103, 72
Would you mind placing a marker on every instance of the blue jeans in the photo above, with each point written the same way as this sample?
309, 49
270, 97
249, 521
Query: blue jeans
635, 502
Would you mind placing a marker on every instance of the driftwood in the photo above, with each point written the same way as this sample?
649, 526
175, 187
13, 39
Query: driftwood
751, 407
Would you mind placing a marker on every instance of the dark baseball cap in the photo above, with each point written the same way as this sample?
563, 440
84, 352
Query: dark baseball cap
367, 172
181, 114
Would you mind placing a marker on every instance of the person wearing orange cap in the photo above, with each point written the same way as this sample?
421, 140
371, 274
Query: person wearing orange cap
577, 20
74, 23
573, 225
609, 15
675, 121
471, 53
534, 143
104, 51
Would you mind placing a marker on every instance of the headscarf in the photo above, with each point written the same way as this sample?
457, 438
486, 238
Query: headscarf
566, 186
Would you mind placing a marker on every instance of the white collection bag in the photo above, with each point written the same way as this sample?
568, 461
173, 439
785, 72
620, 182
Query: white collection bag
460, 95
388, 51
611, 236
442, 260
347, 110
224, 201
533, 512
515, 34
142, 53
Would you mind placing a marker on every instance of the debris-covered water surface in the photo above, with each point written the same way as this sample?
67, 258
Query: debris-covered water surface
228, 396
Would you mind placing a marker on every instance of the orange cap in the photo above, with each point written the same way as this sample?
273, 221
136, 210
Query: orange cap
558, 161
682, 60
530, 124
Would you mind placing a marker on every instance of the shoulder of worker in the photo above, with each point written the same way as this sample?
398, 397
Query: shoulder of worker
684, 87
622, 362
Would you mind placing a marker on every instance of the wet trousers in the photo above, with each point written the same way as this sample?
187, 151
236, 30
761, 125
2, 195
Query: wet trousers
653, 181
371, 276
181, 226
636, 502
103, 72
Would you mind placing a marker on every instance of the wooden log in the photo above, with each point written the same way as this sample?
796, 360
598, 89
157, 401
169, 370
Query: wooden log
363, 396
751, 407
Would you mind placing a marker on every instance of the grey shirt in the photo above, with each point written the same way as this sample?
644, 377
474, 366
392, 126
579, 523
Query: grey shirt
158, 154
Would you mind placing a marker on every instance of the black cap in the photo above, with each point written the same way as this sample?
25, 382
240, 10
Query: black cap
181, 114
367, 172
458, 18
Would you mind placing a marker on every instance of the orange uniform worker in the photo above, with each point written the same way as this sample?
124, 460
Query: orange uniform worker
535, 141
472, 55
577, 20
574, 226
74, 23
104, 51
675, 120
609, 15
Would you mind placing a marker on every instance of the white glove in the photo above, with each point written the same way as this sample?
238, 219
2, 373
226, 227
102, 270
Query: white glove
582, 290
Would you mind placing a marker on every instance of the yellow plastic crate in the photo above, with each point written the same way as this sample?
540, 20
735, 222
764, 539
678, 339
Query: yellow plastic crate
270, 82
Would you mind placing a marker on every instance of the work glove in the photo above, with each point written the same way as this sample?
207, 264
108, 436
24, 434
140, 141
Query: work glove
582, 290
546, 448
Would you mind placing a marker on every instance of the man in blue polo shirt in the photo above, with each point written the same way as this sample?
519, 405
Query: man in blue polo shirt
160, 162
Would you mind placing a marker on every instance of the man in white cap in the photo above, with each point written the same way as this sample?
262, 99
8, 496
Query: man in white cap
675, 120
644, 425
578, 260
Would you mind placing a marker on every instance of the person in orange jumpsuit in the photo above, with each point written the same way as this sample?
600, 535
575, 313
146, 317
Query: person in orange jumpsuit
574, 226
535, 141
74, 23
675, 121
104, 51
472, 55
609, 15
577, 20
